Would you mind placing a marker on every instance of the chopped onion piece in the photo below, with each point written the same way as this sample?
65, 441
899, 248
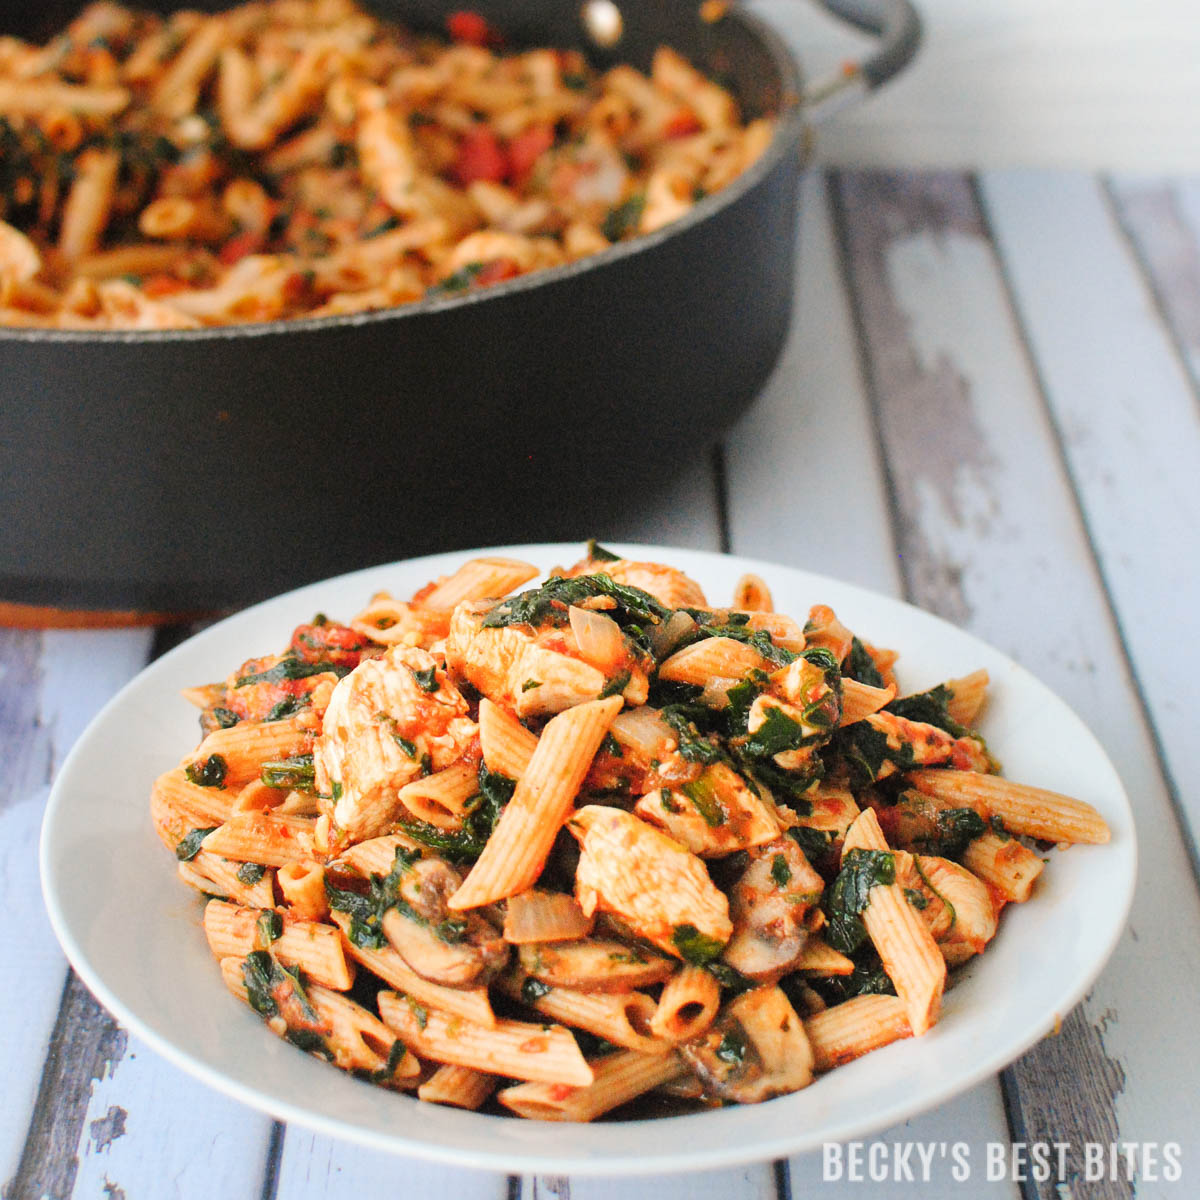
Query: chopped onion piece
598, 638
644, 731
663, 638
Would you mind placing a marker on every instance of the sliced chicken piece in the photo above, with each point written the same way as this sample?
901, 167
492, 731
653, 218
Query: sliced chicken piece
656, 886
534, 673
713, 815
391, 720
666, 584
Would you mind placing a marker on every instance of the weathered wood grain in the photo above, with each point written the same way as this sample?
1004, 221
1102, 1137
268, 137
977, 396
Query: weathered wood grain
992, 538
1129, 422
46, 698
315, 1165
743, 1183
802, 466
805, 488
1161, 218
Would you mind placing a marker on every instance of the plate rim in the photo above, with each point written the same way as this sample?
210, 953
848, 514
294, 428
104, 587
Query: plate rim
524, 1159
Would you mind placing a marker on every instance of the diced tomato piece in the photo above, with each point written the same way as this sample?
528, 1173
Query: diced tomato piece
239, 246
163, 285
329, 643
494, 272
683, 124
526, 148
466, 26
480, 156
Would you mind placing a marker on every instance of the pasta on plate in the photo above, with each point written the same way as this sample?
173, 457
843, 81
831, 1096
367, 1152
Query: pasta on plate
301, 158
554, 850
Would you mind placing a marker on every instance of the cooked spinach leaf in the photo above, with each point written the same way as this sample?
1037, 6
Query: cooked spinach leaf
597, 553
557, 594
291, 666
366, 909
930, 708
189, 847
695, 947
295, 773
860, 666
851, 893
250, 873
209, 773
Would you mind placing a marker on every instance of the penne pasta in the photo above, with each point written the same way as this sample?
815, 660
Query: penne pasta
1030, 811
517, 849
515, 1048
704, 898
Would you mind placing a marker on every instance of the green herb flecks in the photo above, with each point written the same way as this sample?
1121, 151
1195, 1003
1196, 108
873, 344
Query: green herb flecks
705, 801
781, 873
427, 679
695, 947
251, 873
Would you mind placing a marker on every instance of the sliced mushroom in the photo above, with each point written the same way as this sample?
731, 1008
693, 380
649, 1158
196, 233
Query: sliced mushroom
756, 1049
768, 905
594, 965
456, 949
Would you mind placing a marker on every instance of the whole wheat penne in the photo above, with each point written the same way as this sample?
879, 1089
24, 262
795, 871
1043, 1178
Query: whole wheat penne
303, 888
32, 97
177, 806
270, 838
460, 1087
622, 1018
354, 1038
910, 955
687, 1006
376, 855
314, 947
751, 594
175, 93
712, 658
470, 1003
249, 884
967, 697
441, 798
859, 700
1004, 864
506, 744
515, 1048
855, 1027
1031, 811
480, 579
246, 746
517, 849
618, 1078
89, 201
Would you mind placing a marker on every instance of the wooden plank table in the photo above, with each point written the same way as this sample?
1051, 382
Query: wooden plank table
988, 406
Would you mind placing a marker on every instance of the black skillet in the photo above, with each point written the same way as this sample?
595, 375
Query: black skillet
204, 469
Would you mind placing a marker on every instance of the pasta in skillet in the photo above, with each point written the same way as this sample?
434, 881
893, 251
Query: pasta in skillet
301, 158
597, 840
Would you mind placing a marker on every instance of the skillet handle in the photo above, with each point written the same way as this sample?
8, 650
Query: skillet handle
898, 26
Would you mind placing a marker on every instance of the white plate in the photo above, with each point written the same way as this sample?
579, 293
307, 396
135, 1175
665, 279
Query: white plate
132, 930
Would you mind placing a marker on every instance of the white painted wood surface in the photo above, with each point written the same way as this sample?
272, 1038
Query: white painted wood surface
1086, 84
951, 421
